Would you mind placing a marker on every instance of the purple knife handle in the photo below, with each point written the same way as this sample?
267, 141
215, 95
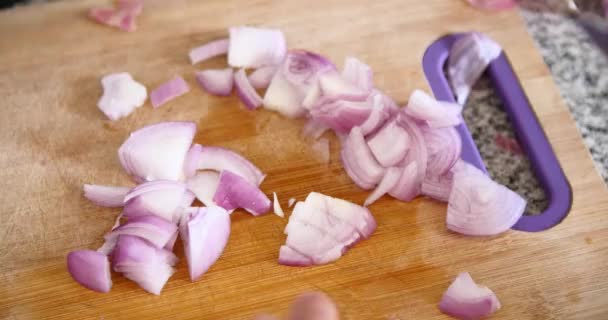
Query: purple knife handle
525, 124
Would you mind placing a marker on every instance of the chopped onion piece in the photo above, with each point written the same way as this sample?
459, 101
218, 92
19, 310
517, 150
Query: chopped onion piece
255, 47
204, 232
209, 50
391, 176
277, 206
246, 92
157, 151
220, 159
204, 184
233, 191
414, 169
437, 187
217, 82
162, 198
479, 206
469, 57
261, 77
122, 18
105, 196
121, 95
380, 112
169, 91
358, 73
464, 299
91, 269
444, 146
390, 144
437, 114
359, 162
155, 230
291, 202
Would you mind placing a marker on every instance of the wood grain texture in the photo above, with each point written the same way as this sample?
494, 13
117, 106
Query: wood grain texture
53, 139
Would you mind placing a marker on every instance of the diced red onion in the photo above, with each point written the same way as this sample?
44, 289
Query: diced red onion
464, 299
122, 18
169, 91
246, 92
390, 178
218, 82
233, 192
220, 159
90, 269
358, 73
359, 162
332, 84
157, 151
105, 196
155, 230
380, 112
276, 206
443, 146
204, 232
121, 95
469, 57
203, 185
493, 4
414, 168
437, 187
162, 198
261, 77
209, 50
437, 114
390, 144
355, 215
255, 47
479, 206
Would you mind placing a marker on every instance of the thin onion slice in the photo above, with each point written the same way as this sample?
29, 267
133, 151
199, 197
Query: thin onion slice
276, 206
204, 232
233, 192
464, 299
390, 144
105, 196
444, 146
203, 185
246, 92
121, 95
218, 82
220, 159
414, 164
157, 151
162, 198
209, 50
390, 178
255, 47
469, 57
91, 269
359, 162
261, 77
479, 206
155, 230
437, 114
169, 91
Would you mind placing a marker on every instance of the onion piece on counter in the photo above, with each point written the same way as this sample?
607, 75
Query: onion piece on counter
468, 58
464, 299
155, 230
91, 269
246, 92
294, 80
157, 151
358, 73
321, 229
443, 146
276, 206
217, 82
493, 4
389, 180
169, 91
220, 159
359, 162
437, 114
233, 192
291, 202
121, 95
142, 263
163, 198
381, 111
414, 168
390, 144
105, 196
255, 47
122, 17
261, 77
209, 50
479, 206
203, 185
204, 232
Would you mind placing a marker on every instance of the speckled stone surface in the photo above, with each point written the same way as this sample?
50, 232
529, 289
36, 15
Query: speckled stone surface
579, 68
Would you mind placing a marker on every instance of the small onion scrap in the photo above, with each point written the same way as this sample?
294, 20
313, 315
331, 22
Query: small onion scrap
123, 17
121, 95
217, 82
209, 50
106, 196
168, 91
91, 269
255, 47
465, 300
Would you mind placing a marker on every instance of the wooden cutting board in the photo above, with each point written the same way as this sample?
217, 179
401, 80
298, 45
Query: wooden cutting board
53, 139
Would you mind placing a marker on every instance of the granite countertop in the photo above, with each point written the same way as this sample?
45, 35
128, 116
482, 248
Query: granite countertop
580, 70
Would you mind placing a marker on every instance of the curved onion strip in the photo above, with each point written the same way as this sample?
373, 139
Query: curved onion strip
204, 184
479, 206
220, 159
444, 146
408, 186
261, 77
204, 232
218, 82
168, 91
91, 269
276, 206
233, 192
246, 92
157, 151
391, 176
342, 114
361, 165
155, 230
209, 50
105, 196
464, 299
390, 144
163, 198
255, 47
